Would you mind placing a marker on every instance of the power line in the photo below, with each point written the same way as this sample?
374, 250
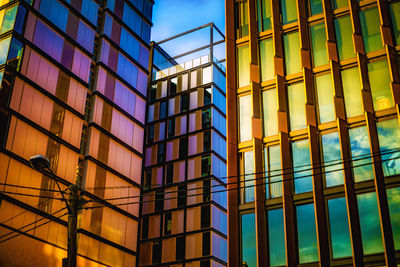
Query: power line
28, 195
27, 187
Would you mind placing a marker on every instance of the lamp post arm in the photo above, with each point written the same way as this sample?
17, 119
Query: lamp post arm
62, 192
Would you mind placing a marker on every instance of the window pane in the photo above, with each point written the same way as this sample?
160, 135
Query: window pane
379, 79
315, 7
339, 3
332, 159
277, 254
265, 13
344, 39
272, 157
245, 118
4, 45
389, 136
395, 12
318, 38
243, 21
9, 19
370, 24
301, 166
361, 154
249, 250
325, 98
289, 12
270, 112
393, 195
249, 169
307, 236
338, 222
267, 60
369, 223
292, 53
352, 92
297, 106
243, 65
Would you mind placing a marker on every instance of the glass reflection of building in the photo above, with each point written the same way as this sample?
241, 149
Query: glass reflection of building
184, 198
316, 85
74, 88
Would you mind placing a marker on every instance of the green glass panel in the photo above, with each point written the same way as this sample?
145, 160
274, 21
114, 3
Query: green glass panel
318, 38
395, 14
249, 177
316, 7
325, 98
292, 53
339, 227
245, 118
249, 249
332, 159
379, 80
344, 38
272, 156
4, 45
352, 92
297, 109
301, 166
393, 195
289, 12
307, 237
9, 19
361, 154
243, 65
270, 108
243, 21
370, 25
389, 137
264, 11
276, 231
369, 223
267, 60
339, 3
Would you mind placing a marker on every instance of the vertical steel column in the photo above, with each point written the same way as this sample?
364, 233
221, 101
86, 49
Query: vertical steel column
283, 128
232, 137
380, 187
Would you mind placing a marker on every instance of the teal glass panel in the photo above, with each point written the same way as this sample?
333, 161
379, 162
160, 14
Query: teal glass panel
352, 92
315, 7
276, 231
272, 157
379, 80
339, 227
264, 11
361, 154
332, 159
297, 109
249, 176
301, 166
389, 137
370, 24
8, 19
245, 118
318, 40
339, 3
4, 45
325, 98
307, 236
292, 53
369, 223
267, 60
288, 10
270, 107
395, 14
243, 65
344, 38
249, 249
393, 195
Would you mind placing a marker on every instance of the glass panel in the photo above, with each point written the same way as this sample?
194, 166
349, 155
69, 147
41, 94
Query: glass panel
267, 60
332, 159
289, 12
389, 136
245, 118
301, 166
361, 154
352, 92
379, 80
344, 38
318, 38
249, 177
325, 98
243, 65
395, 12
272, 156
315, 7
249, 250
339, 3
369, 223
9, 19
276, 231
292, 53
270, 112
340, 234
307, 236
4, 45
393, 195
297, 107
265, 14
243, 21
370, 24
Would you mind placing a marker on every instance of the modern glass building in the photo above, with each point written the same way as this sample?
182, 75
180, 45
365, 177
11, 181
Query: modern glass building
183, 214
74, 79
313, 94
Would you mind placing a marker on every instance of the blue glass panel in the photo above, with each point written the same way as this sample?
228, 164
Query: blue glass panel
107, 25
249, 250
111, 5
361, 154
218, 144
55, 12
339, 227
301, 166
145, 32
332, 159
389, 136
89, 10
129, 44
20, 20
307, 235
4, 45
277, 254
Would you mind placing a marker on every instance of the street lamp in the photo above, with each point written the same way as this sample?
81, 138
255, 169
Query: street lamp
40, 162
